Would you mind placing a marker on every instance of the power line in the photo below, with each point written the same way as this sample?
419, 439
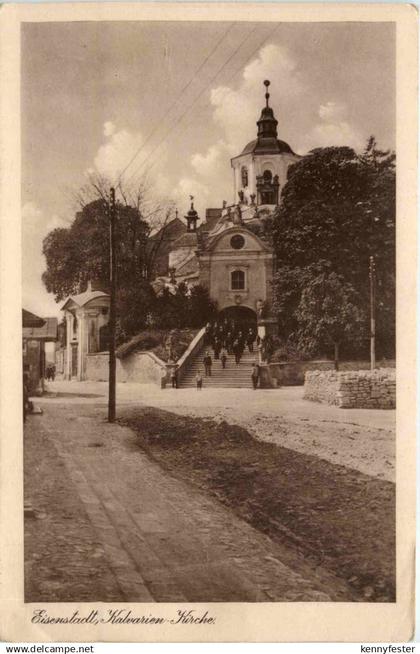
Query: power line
261, 45
193, 103
199, 69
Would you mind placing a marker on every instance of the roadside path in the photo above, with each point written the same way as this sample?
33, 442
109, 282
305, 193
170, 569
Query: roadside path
361, 439
158, 538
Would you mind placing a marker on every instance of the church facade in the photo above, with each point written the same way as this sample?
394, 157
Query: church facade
228, 253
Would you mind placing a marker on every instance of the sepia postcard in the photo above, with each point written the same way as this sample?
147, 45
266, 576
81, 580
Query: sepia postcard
208, 314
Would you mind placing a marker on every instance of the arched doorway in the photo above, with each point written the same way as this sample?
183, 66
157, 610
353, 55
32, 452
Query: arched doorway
244, 317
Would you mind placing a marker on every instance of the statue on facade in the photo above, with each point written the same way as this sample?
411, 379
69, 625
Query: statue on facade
237, 215
169, 344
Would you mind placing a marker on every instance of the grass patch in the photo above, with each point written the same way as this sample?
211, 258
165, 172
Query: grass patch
336, 518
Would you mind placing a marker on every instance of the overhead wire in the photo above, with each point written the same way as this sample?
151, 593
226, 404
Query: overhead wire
240, 67
180, 96
193, 103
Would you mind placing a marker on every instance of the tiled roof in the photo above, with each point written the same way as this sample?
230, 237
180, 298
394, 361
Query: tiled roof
48, 332
31, 320
267, 146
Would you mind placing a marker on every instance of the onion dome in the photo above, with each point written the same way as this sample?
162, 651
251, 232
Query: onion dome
267, 141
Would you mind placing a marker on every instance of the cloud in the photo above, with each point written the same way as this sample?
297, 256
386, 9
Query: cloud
109, 128
334, 129
119, 148
128, 152
332, 111
235, 112
205, 164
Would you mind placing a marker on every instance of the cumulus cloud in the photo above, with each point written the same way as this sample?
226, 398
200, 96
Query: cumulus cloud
333, 129
332, 111
109, 128
122, 148
118, 149
235, 112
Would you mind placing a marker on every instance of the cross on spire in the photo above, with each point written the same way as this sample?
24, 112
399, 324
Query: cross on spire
267, 95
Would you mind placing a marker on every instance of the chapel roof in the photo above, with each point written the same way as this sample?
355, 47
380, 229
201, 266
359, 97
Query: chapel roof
83, 298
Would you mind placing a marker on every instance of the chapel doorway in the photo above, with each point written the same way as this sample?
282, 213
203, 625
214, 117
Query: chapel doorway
244, 317
74, 359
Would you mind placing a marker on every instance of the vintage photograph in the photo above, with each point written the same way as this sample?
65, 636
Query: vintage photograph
208, 311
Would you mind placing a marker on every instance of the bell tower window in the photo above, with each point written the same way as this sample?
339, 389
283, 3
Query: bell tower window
244, 176
268, 188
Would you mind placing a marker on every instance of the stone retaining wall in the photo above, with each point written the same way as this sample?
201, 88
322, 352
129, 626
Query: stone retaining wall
292, 373
352, 390
141, 367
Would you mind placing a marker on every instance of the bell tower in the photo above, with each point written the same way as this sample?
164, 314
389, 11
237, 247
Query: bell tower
192, 217
260, 171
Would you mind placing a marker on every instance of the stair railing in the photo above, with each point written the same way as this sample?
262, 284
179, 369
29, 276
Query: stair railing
185, 360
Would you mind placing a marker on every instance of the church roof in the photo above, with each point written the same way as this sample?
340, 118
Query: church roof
212, 218
186, 240
267, 146
267, 141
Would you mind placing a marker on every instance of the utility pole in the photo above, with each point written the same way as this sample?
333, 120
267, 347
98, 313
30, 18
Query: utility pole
372, 278
112, 284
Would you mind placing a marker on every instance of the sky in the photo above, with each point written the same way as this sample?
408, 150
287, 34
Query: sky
180, 99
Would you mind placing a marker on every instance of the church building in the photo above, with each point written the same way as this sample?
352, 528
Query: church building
228, 253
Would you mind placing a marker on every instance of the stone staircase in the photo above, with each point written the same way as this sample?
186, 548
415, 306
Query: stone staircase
232, 376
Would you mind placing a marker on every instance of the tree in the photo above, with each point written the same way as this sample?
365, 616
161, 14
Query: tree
329, 314
202, 308
337, 209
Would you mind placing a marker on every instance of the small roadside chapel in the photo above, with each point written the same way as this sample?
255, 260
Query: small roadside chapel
86, 316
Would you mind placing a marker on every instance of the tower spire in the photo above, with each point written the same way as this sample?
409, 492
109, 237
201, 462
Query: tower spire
267, 124
267, 95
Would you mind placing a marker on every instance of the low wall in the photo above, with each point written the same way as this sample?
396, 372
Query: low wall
140, 367
292, 373
352, 390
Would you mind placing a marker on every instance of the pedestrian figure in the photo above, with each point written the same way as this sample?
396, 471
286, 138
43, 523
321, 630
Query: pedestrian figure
207, 334
207, 364
250, 340
237, 351
53, 373
174, 378
255, 375
199, 380
229, 342
223, 358
217, 347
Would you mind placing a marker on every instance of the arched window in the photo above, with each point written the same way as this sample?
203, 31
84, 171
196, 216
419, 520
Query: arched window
237, 280
268, 176
244, 176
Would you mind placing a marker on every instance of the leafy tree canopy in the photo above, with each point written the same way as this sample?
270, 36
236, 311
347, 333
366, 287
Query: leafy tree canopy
337, 210
81, 252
